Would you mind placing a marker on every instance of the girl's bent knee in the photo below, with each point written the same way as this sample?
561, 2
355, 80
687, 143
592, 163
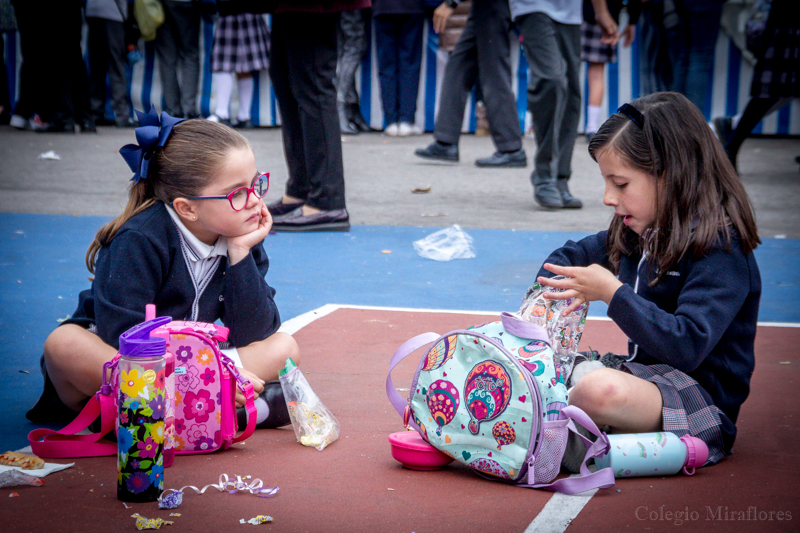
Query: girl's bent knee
599, 391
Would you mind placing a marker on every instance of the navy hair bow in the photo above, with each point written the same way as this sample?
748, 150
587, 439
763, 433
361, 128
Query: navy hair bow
150, 134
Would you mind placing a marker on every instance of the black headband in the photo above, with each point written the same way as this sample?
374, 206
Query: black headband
632, 113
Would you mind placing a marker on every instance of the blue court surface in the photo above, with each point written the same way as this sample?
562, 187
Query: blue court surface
43, 270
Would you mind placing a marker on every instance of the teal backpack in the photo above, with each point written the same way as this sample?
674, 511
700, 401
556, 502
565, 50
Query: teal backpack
492, 398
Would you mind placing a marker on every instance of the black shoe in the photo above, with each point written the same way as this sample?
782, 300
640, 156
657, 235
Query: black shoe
516, 158
439, 151
87, 125
723, 126
57, 127
279, 208
576, 450
569, 201
125, 122
103, 121
244, 125
547, 195
357, 119
334, 220
278, 410
345, 125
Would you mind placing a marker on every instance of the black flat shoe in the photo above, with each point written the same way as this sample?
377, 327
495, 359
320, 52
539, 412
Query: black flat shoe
515, 159
87, 125
278, 410
279, 208
438, 151
335, 220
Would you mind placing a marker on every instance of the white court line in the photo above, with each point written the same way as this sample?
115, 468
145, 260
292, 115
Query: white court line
560, 509
559, 512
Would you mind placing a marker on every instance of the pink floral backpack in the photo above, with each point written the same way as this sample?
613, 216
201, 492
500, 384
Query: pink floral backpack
200, 410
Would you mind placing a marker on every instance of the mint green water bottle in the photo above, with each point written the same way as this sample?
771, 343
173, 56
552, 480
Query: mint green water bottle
653, 454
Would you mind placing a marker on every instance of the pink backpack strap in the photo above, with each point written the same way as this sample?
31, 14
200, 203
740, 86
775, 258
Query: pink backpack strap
65, 443
250, 405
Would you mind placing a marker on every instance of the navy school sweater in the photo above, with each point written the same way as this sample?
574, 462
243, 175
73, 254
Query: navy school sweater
700, 318
144, 263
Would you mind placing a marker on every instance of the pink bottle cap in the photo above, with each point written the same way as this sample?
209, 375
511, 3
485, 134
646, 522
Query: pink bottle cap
696, 454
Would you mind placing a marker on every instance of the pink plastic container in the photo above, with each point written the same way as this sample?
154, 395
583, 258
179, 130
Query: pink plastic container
414, 453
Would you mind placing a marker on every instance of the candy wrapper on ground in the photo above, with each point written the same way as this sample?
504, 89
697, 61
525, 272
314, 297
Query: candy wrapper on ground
15, 478
314, 425
565, 331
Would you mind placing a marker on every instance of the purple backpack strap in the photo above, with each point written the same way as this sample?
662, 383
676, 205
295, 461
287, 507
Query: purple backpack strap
522, 329
587, 480
404, 351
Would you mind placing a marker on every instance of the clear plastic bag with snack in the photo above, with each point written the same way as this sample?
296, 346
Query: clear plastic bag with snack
564, 330
314, 425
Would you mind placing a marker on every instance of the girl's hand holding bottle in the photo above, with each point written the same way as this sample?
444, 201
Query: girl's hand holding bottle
583, 284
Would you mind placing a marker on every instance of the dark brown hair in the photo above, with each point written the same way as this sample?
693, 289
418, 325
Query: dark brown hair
188, 162
698, 194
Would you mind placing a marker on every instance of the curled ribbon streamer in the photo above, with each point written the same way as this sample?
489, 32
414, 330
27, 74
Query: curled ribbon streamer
255, 487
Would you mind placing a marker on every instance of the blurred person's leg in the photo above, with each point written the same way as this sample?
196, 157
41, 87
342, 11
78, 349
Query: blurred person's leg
547, 99
492, 21
410, 59
387, 47
303, 65
460, 75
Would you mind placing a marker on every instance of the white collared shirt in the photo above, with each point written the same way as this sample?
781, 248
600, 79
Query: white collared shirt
200, 257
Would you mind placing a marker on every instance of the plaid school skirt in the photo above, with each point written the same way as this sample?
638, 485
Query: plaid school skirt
777, 72
687, 409
241, 44
592, 49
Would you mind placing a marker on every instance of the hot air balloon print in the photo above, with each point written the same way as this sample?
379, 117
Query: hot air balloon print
443, 401
487, 391
503, 433
441, 353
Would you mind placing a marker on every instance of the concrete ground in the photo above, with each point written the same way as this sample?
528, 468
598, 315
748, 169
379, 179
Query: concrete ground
380, 173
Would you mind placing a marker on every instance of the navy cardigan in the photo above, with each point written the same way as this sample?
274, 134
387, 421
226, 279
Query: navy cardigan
700, 318
144, 263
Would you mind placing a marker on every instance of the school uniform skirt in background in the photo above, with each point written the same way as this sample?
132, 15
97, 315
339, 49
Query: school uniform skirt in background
241, 44
592, 49
687, 408
777, 72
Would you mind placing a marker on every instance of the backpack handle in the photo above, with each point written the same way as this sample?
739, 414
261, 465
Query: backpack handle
525, 330
65, 443
404, 351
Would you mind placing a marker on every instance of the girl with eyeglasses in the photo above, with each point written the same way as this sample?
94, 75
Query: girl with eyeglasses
190, 240
677, 270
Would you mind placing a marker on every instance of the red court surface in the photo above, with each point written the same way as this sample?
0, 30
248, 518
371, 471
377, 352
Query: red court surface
355, 484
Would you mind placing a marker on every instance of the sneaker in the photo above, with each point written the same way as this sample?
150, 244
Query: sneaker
214, 118
406, 129
19, 122
392, 129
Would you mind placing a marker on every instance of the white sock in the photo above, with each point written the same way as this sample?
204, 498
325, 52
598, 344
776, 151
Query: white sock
592, 119
245, 97
224, 89
262, 409
233, 355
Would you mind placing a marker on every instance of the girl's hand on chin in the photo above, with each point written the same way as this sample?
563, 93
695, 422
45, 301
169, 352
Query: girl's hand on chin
239, 246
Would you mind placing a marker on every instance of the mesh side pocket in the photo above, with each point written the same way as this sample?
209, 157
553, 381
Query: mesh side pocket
554, 441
